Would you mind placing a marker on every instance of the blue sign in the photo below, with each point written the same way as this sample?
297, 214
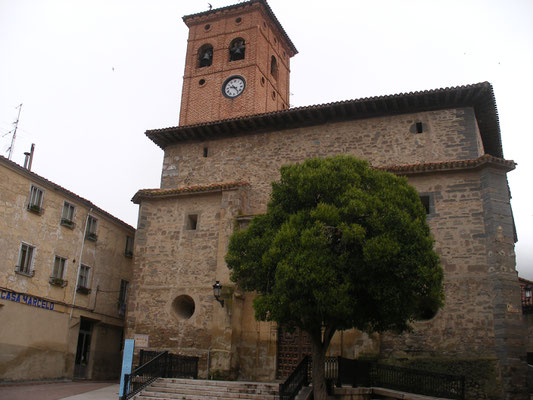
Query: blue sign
26, 299
127, 362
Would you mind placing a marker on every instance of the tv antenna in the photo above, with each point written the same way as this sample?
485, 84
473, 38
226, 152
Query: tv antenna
16, 123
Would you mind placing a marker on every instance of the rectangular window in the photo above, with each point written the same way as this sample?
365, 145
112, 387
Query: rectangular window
83, 280
91, 228
128, 251
122, 297
25, 264
36, 199
191, 222
59, 267
67, 215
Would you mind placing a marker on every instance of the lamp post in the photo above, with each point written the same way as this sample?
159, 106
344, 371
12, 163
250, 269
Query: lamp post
217, 287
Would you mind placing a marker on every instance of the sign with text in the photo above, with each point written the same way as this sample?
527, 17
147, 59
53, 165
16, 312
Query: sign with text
141, 340
26, 299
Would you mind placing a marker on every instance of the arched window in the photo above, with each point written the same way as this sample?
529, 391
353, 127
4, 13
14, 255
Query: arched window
205, 56
236, 49
274, 67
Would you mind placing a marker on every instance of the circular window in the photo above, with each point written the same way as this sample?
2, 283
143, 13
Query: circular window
183, 307
201, 82
262, 81
207, 27
238, 20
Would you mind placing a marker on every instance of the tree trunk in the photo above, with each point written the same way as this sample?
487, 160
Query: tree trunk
319, 379
320, 340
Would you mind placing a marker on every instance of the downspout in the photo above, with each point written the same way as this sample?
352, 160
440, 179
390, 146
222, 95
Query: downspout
79, 263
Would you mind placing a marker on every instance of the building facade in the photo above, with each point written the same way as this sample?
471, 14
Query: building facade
64, 280
217, 174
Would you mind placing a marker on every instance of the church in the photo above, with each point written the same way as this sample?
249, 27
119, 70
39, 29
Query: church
236, 130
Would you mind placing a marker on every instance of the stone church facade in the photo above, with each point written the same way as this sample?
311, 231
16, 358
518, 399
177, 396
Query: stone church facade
235, 133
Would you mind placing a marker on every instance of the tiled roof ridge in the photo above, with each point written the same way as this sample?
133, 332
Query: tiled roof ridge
484, 84
213, 187
86, 202
242, 5
449, 165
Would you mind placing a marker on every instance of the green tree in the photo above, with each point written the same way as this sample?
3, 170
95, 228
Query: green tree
341, 246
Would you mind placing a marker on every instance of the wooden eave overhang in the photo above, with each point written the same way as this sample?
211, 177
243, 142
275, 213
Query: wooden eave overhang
206, 15
185, 191
422, 168
479, 96
39, 180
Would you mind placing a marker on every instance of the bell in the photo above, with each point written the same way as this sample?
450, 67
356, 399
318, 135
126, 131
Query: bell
206, 56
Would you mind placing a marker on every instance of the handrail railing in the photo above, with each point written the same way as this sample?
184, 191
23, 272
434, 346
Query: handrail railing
296, 380
162, 365
145, 375
364, 373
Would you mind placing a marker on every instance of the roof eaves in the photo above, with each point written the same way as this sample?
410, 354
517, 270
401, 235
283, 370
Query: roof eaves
35, 177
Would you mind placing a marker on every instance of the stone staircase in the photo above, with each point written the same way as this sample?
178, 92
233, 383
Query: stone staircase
195, 389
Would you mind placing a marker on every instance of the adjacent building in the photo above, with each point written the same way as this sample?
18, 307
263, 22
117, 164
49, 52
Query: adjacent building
64, 279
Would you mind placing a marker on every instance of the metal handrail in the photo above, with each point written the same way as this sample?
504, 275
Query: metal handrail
144, 375
296, 380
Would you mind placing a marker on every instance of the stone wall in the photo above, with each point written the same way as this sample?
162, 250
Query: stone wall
469, 218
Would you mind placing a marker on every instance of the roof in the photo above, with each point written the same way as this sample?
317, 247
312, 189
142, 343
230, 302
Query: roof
37, 178
479, 96
266, 7
199, 189
485, 159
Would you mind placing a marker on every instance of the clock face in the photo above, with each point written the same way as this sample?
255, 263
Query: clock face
233, 86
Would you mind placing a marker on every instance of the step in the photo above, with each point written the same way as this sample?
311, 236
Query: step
194, 389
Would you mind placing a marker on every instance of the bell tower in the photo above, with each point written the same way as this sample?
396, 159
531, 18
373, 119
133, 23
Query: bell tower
237, 63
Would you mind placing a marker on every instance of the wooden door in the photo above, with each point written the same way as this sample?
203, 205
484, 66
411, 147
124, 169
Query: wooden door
292, 347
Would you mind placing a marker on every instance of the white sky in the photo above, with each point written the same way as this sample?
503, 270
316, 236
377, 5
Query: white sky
93, 75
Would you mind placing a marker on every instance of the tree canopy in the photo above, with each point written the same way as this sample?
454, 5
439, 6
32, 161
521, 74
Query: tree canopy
341, 246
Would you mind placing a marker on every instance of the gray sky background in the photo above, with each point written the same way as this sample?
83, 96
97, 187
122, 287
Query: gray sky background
93, 75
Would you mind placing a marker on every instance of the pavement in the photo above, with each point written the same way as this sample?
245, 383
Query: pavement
75, 390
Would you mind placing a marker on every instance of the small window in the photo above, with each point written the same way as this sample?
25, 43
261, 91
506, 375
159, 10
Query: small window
426, 201
25, 264
122, 297
274, 67
128, 251
67, 215
92, 224
206, 151
59, 267
83, 278
237, 48
205, 56
36, 199
191, 222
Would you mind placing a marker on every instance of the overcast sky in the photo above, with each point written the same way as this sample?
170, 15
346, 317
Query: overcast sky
94, 75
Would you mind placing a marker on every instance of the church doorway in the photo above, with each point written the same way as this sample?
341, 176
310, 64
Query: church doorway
292, 347
81, 365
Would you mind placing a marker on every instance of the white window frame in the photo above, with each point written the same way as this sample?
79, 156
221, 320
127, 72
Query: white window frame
25, 266
58, 260
92, 226
84, 276
36, 197
68, 208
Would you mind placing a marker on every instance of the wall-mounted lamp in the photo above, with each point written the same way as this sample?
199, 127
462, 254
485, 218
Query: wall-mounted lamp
217, 287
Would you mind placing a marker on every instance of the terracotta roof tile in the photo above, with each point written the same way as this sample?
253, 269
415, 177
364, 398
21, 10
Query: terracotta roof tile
33, 176
479, 96
242, 5
509, 165
162, 193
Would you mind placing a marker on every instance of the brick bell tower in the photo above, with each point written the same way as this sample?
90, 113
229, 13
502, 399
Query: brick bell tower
237, 63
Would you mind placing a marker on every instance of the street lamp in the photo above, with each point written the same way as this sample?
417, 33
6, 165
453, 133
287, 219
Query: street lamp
217, 287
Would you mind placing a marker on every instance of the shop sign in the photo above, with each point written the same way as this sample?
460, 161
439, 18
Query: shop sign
26, 299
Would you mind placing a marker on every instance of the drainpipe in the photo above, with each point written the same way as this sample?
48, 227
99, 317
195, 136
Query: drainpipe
79, 263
